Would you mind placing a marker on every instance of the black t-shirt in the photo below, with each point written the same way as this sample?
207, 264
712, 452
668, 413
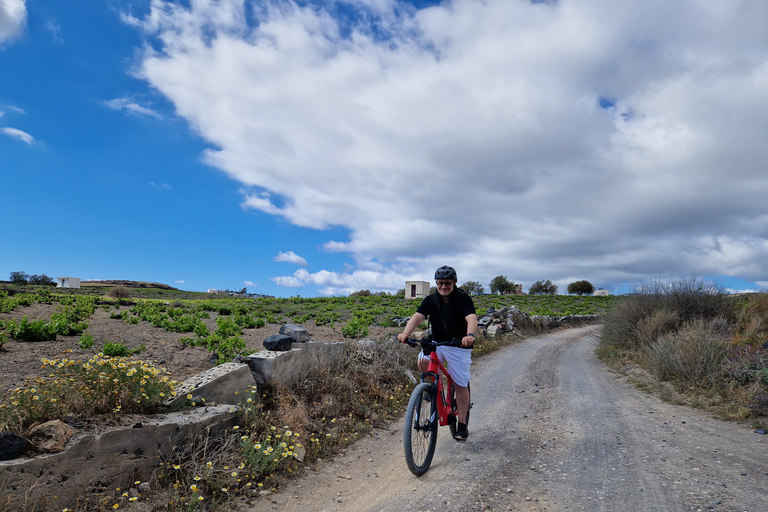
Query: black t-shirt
448, 319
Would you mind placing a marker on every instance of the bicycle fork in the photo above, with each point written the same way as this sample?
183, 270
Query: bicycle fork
432, 412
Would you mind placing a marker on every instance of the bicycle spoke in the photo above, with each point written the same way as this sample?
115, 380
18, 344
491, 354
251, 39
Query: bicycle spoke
420, 434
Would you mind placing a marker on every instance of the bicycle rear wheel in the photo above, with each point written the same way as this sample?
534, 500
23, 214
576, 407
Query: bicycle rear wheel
420, 433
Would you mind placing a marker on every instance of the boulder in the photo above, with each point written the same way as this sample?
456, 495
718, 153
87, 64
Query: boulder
12, 446
278, 343
297, 332
51, 436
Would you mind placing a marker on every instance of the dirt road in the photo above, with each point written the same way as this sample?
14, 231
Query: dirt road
551, 430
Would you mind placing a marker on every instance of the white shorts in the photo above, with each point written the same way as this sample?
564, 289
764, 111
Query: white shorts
459, 360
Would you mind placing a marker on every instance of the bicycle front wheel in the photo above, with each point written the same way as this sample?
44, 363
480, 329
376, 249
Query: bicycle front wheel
420, 433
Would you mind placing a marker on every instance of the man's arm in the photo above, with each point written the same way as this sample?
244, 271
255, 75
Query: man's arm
468, 341
412, 324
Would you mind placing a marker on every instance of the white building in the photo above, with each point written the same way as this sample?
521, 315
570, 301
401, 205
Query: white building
416, 289
68, 282
602, 292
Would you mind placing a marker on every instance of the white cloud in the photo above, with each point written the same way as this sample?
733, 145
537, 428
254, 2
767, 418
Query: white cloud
180, 281
13, 18
11, 108
54, 28
608, 141
161, 186
337, 283
291, 257
130, 107
18, 134
249, 283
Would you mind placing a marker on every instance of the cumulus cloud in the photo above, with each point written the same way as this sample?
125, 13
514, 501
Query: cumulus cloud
602, 141
249, 283
338, 283
130, 107
18, 134
161, 186
291, 257
180, 281
13, 18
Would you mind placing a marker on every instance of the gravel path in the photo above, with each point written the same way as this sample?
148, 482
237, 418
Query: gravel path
551, 430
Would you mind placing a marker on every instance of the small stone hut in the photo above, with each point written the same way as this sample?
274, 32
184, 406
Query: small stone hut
416, 289
68, 282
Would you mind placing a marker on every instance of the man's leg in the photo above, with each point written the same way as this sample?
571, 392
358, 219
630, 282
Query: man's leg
462, 402
423, 364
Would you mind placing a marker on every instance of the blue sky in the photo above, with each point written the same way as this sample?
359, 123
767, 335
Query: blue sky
317, 148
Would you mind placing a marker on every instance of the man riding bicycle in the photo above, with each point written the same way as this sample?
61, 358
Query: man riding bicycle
452, 314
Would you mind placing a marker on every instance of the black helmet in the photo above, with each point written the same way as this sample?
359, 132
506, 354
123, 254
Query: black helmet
446, 272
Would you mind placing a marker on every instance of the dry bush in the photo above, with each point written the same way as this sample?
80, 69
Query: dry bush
120, 292
339, 402
694, 354
620, 323
689, 299
693, 298
658, 323
752, 320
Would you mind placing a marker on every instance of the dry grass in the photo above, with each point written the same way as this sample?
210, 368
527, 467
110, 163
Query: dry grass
334, 405
691, 344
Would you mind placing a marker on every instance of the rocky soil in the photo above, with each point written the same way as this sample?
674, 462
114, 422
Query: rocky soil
22, 360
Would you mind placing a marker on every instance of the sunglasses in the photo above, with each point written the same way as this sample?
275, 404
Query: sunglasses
444, 283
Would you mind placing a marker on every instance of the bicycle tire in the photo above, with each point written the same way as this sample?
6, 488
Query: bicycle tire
420, 432
453, 420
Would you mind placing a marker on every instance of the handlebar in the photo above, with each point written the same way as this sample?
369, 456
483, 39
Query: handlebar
427, 343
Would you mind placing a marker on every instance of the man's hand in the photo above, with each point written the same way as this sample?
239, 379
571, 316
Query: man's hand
402, 337
467, 341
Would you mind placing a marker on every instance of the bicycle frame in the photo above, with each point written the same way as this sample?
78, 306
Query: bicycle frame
438, 374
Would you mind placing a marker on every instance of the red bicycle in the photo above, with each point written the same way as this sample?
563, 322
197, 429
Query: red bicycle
432, 404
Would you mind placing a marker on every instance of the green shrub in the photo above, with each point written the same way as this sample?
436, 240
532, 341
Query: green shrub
183, 323
357, 327
69, 318
224, 343
201, 330
245, 321
86, 341
37, 330
114, 350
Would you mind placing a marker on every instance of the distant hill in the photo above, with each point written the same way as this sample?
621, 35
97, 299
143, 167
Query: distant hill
127, 284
